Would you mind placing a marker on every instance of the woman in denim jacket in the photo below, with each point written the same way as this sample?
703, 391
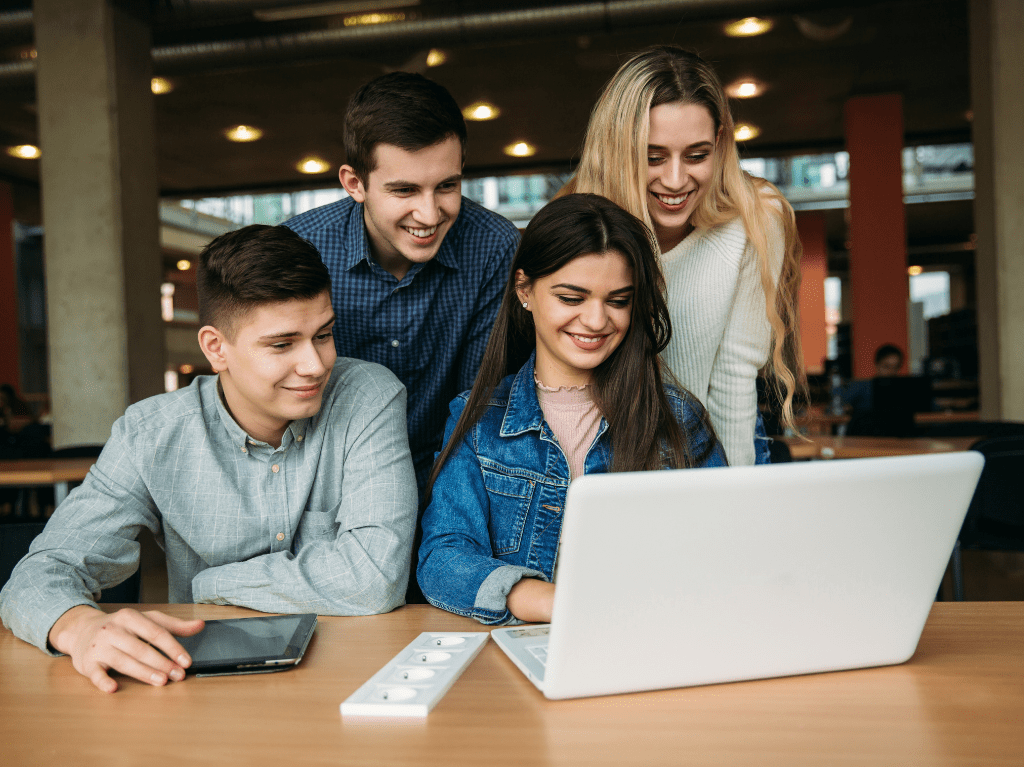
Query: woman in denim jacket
570, 384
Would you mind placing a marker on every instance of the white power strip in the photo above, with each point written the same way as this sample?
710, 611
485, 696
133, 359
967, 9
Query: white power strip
414, 681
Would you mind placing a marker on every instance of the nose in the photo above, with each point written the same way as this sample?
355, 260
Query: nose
593, 315
675, 175
310, 364
427, 210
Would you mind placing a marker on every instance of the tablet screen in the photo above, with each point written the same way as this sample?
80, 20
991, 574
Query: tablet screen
248, 640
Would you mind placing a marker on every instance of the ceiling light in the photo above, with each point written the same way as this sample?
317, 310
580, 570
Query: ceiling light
520, 149
184, 265
745, 89
366, 19
436, 57
24, 151
185, 369
243, 133
160, 85
318, 10
746, 131
313, 164
481, 110
913, 271
748, 27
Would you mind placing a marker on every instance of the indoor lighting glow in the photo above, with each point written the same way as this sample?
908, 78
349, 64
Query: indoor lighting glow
913, 271
745, 132
481, 110
520, 149
24, 151
184, 265
363, 19
436, 57
160, 85
745, 89
313, 165
748, 27
185, 369
243, 133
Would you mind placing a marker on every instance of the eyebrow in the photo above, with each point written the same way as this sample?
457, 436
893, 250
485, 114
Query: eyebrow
697, 145
578, 289
294, 333
392, 185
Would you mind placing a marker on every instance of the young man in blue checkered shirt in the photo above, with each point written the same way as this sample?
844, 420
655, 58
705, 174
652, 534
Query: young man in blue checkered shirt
417, 270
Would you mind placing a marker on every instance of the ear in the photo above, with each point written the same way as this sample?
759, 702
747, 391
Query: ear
212, 342
524, 290
351, 183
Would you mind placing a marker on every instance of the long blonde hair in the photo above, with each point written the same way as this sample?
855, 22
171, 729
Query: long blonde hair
614, 165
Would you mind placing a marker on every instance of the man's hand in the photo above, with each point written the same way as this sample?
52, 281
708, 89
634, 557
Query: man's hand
127, 641
531, 600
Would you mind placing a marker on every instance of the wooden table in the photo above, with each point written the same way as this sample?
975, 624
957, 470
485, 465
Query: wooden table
872, 447
959, 701
33, 472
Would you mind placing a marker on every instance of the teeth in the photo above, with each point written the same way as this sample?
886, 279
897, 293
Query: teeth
672, 200
585, 339
421, 232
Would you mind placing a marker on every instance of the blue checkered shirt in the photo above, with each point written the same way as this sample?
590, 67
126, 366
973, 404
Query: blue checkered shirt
430, 329
323, 523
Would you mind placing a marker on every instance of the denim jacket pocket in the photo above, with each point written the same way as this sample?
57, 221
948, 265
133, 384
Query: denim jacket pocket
509, 499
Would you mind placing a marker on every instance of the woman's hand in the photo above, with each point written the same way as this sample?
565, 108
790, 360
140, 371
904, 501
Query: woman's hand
531, 600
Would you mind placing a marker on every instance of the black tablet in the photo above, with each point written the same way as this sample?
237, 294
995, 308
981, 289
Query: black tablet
249, 645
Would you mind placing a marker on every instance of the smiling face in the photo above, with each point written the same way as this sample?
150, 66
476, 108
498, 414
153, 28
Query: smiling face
410, 199
680, 165
581, 314
275, 364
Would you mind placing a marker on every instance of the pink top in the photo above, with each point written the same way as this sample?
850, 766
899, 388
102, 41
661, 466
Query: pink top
574, 418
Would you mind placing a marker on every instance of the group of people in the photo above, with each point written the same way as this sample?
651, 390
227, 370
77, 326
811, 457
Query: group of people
625, 332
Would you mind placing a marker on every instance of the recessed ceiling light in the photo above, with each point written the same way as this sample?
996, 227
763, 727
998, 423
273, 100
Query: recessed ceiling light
24, 151
745, 89
748, 27
520, 149
481, 110
184, 265
313, 164
160, 85
243, 133
436, 57
746, 131
913, 271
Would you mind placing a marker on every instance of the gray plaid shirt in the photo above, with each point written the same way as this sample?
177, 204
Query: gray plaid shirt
323, 524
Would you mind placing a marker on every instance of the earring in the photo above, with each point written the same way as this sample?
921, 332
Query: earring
526, 305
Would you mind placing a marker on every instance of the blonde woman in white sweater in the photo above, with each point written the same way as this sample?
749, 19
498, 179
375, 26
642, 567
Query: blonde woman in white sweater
660, 144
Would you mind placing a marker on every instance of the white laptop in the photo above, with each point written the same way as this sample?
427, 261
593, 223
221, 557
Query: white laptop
678, 578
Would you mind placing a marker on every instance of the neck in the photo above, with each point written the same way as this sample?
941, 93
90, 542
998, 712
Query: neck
271, 433
668, 240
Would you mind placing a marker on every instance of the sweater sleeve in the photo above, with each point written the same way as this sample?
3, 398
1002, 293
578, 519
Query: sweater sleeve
732, 387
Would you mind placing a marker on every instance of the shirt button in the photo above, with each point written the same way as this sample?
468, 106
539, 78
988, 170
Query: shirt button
300, 438
280, 536
395, 343
275, 468
244, 450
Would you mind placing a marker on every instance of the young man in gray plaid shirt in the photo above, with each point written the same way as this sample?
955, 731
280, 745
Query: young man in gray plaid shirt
284, 483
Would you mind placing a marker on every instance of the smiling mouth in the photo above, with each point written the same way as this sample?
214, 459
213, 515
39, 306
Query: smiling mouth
306, 392
674, 200
587, 342
421, 233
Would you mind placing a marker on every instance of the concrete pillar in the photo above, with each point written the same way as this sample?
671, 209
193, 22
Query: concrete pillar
879, 285
997, 96
9, 358
100, 215
814, 270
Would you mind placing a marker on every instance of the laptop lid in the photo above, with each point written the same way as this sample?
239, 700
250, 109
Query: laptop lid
676, 578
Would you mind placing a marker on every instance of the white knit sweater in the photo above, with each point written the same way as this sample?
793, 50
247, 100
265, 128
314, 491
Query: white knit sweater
720, 331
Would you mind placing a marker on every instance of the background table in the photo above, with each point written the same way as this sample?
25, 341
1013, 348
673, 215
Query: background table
872, 447
959, 701
34, 472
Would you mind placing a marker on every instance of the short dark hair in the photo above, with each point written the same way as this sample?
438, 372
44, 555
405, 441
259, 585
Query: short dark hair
252, 266
887, 350
404, 110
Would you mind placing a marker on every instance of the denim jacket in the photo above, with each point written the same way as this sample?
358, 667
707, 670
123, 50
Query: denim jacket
495, 515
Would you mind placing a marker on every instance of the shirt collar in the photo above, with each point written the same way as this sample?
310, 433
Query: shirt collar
523, 412
355, 233
296, 430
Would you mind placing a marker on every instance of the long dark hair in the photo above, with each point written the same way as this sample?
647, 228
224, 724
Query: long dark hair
627, 387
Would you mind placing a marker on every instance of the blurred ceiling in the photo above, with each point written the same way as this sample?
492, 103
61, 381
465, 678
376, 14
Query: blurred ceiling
289, 68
